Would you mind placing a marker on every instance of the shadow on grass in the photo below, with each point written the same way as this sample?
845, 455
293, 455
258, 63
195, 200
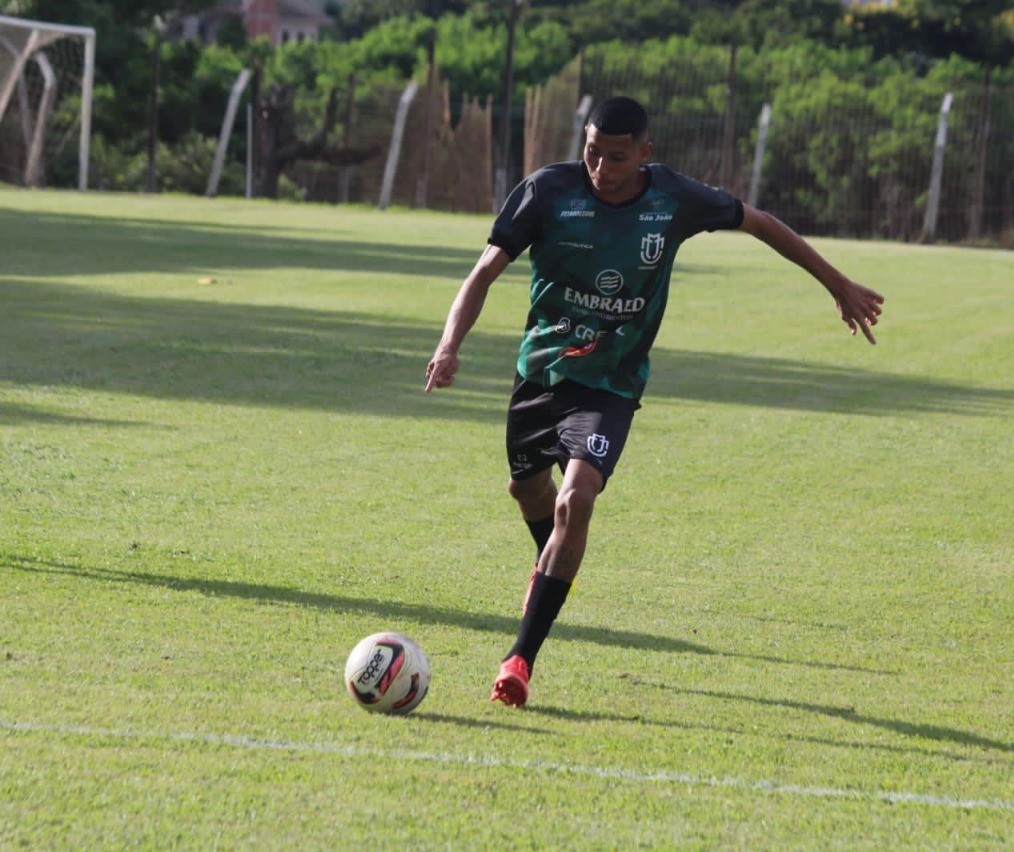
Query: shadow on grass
849, 714
398, 610
208, 350
939, 733
12, 414
587, 716
79, 337
74, 244
56, 334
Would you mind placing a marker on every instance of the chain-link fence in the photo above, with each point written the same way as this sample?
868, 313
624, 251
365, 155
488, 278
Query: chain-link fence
908, 160
838, 157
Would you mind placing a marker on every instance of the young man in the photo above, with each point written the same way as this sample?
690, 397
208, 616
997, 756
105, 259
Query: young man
603, 235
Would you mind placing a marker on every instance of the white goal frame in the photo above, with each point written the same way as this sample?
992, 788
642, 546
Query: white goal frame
40, 35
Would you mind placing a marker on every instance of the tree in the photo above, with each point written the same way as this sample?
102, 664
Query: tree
356, 17
593, 21
782, 22
980, 30
280, 148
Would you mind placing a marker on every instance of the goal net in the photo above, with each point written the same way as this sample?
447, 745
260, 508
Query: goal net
46, 78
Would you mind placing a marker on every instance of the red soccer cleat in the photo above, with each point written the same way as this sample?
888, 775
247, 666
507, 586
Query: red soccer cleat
511, 685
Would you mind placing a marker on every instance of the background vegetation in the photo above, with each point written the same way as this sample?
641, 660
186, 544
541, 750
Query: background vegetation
878, 71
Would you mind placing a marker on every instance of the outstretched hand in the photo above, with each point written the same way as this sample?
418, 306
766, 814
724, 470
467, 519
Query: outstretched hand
441, 369
858, 306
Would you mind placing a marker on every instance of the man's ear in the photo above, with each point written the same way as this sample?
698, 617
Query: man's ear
646, 150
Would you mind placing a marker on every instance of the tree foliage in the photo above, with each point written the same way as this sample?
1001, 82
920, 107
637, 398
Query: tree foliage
980, 30
881, 70
595, 21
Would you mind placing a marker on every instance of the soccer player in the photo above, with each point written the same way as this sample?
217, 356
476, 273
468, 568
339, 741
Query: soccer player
602, 236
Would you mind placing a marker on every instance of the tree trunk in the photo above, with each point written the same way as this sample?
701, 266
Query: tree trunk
277, 155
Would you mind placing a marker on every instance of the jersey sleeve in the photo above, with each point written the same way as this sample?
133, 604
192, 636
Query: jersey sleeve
706, 208
516, 226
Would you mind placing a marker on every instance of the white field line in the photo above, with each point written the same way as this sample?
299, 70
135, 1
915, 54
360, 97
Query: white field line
607, 772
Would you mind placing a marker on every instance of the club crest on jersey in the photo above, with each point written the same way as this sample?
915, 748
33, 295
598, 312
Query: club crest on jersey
651, 248
598, 445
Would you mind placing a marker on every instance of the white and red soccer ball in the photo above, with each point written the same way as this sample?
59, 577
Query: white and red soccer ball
387, 673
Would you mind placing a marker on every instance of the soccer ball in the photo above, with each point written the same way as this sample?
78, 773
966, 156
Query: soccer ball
387, 673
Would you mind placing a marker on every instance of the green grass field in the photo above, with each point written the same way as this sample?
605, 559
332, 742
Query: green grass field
794, 628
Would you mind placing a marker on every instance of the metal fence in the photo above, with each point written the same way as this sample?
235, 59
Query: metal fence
846, 159
847, 165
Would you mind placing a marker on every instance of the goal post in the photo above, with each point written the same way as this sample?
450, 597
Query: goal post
47, 75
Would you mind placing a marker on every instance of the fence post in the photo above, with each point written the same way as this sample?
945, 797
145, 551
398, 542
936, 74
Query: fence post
226, 132
394, 152
580, 120
758, 155
87, 87
929, 224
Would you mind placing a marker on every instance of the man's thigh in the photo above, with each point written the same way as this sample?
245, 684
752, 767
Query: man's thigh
547, 426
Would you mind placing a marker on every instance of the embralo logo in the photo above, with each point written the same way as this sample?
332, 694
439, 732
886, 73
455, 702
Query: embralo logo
609, 282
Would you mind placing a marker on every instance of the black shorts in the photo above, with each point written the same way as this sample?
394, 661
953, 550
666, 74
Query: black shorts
547, 426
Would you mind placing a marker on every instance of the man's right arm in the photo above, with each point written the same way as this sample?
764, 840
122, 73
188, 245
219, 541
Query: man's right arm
464, 312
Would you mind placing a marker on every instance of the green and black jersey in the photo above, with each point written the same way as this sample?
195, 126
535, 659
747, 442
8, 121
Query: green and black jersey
600, 273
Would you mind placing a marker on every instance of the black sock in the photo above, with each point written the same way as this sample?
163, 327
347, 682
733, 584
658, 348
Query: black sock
544, 605
541, 531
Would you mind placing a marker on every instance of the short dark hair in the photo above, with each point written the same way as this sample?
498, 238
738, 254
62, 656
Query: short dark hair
620, 116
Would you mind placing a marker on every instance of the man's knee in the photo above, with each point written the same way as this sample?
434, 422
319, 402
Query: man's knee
574, 506
531, 489
576, 500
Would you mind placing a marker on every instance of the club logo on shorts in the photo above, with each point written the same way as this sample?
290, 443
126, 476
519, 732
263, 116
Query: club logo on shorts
651, 248
598, 445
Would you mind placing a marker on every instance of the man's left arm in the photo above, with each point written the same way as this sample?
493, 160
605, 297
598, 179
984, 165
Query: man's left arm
858, 306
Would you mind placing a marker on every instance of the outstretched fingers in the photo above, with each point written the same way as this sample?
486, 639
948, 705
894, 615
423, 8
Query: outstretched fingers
860, 308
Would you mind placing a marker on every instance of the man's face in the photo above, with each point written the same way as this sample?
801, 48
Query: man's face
614, 164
